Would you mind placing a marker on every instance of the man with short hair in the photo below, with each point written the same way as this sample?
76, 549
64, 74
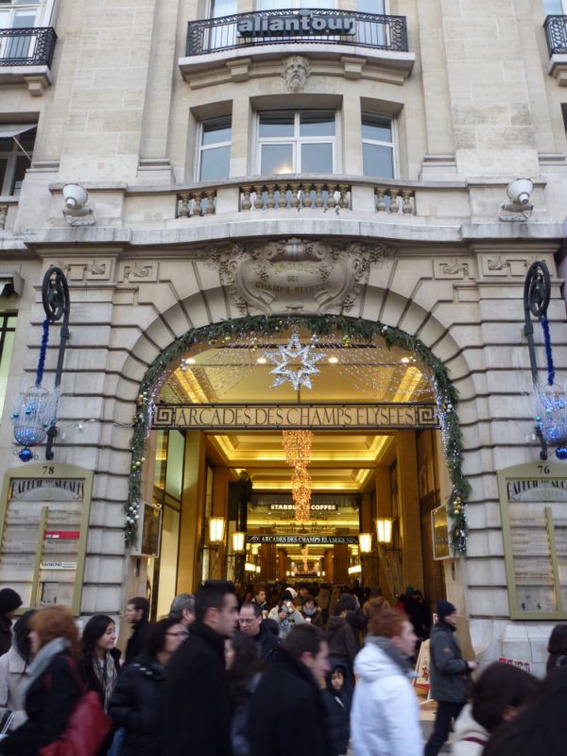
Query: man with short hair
197, 707
287, 713
137, 613
261, 599
183, 609
449, 672
251, 623
385, 711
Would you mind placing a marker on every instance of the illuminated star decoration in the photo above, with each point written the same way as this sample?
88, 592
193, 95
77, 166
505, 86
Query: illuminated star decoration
294, 363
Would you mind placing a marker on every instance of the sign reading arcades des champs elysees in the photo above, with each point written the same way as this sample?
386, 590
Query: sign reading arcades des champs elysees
296, 25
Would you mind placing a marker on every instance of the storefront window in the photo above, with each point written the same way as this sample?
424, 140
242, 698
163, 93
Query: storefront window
297, 142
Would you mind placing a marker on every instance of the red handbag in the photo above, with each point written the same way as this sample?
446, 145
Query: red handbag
87, 727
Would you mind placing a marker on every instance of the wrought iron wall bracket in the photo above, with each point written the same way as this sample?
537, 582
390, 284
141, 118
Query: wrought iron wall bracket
57, 306
537, 292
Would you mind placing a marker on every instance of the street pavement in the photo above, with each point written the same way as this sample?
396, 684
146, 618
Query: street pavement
427, 717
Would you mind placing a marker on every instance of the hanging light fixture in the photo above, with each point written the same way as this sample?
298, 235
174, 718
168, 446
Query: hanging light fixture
297, 447
365, 542
216, 529
384, 529
239, 542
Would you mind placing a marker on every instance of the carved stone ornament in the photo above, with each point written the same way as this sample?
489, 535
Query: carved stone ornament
296, 72
302, 276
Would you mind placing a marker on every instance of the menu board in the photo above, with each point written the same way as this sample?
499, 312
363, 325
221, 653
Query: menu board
533, 505
44, 516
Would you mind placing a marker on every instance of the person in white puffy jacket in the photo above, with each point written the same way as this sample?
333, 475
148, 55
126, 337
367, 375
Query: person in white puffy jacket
385, 711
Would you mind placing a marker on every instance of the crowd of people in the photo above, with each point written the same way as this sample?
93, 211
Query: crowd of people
270, 671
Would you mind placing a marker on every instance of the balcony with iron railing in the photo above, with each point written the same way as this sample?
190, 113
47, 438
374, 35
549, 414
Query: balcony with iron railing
556, 37
312, 32
26, 55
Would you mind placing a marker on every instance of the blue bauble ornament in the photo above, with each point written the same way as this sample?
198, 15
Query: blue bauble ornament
25, 454
561, 452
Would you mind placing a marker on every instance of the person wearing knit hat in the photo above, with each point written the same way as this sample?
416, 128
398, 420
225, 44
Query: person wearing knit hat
449, 671
9, 602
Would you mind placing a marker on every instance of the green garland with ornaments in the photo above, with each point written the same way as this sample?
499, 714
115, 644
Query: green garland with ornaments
349, 328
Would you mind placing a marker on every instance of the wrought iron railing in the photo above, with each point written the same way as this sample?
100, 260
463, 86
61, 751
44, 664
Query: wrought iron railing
27, 47
305, 26
556, 34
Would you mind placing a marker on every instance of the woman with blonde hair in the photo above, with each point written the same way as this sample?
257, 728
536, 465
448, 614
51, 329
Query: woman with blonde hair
54, 686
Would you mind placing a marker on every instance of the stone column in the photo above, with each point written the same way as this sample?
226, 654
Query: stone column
192, 520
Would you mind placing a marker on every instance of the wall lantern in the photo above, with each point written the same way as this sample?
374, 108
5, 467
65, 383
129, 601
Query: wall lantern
239, 542
365, 542
216, 529
384, 530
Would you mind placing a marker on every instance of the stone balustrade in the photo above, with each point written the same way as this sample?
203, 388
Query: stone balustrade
393, 199
196, 203
295, 195
3, 216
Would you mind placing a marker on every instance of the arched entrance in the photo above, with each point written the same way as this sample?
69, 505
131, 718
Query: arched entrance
381, 465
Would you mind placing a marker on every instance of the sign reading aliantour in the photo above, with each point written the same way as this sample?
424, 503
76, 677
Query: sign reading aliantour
394, 416
297, 24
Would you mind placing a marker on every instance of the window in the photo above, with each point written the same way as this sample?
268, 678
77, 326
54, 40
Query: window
16, 146
13, 16
7, 333
555, 7
377, 146
371, 6
220, 8
303, 141
214, 153
290, 4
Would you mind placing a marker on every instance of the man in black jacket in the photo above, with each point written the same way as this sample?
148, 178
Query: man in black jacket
288, 715
448, 674
197, 719
251, 623
137, 612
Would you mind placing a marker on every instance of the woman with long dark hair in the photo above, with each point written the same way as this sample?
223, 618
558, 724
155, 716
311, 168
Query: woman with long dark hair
100, 656
137, 703
14, 670
243, 664
54, 686
542, 726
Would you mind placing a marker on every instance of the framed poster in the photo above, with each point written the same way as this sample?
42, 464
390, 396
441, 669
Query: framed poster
440, 533
149, 530
44, 519
533, 506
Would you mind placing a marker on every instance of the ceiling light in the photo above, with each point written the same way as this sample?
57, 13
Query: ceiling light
333, 360
261, 360
405, 360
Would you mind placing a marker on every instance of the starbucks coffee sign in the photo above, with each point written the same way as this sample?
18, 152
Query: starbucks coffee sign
296, 25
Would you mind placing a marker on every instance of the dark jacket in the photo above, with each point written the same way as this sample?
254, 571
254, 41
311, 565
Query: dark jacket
137, 641
50, 701
342, 644
93, 683
5, 634
337, 705
197, 703
137, 705
267, 641
448, 668
288, 715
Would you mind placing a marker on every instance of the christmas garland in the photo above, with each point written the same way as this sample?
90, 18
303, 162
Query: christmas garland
350, 328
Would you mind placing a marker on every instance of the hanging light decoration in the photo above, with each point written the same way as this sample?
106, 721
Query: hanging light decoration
297, 447
294, 363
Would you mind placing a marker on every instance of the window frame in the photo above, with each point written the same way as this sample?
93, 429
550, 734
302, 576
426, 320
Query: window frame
297, 5
380, 143
203, 148
11, 156
297, 140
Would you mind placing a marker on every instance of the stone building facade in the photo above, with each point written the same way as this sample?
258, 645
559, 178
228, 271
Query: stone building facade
396, 148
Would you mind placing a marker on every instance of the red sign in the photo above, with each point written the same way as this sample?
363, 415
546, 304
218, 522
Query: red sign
61, 535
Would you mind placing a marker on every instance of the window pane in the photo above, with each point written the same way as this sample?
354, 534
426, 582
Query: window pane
553, 7
377, 128
276, 159
276, 124
215, 163
22, 164
274, 4
216, 130
223, 8
5, 358
317, 158
370, 6
317, 123
378, 160
3, 166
